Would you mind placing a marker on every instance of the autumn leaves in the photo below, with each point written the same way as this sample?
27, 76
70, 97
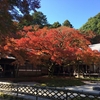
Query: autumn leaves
61, 45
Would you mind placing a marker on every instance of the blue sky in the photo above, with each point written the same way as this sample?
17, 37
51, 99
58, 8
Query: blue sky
76, 11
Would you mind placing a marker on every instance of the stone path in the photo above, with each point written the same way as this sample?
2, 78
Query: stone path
88, 87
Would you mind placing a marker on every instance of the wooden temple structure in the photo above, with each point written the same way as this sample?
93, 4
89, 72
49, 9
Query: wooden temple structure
7, 69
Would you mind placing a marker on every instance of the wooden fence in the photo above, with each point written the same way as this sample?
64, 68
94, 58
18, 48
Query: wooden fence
48, 92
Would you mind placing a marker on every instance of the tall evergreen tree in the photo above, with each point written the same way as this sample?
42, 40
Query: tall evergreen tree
56, 25
39, 19
67, 23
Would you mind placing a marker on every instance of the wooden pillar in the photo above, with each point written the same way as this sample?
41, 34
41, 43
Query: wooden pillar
99, 71
4, 70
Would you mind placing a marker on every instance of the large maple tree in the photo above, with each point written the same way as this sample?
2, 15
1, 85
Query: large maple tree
61, 46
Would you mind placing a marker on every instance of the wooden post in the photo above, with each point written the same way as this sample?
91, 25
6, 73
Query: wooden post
17, 78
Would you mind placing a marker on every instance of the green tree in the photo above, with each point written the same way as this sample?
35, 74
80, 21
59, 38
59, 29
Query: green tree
39, 19
67, 23
26, 20
24, 7
93, 24
13, 10
5, 18
56, 25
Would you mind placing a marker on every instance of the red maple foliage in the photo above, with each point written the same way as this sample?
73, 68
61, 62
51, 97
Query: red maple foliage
62, 46
52, 42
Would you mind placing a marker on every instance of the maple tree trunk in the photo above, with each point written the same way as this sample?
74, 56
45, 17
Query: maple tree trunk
51, 70
78, 71
16, 73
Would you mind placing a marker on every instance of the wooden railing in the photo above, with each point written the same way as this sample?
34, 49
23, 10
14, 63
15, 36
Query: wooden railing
47, 92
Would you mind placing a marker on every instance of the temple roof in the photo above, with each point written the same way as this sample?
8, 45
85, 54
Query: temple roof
95, 47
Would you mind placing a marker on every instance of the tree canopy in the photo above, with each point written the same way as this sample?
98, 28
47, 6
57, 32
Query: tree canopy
67, 23
56, 25
93, 24
61, 46
14, 9
37, 18
23, 7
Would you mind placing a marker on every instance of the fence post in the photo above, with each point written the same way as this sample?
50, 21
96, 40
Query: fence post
17, 90
67, 98
36, 93
11, 87
17, 77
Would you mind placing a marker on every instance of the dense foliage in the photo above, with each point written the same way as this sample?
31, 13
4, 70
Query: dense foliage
23, 7
93, 24
61, 46
37, 18
67, 23
56, 25
13, 10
